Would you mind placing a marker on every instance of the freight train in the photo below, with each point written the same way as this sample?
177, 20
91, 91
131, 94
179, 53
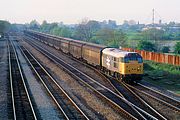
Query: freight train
123, 65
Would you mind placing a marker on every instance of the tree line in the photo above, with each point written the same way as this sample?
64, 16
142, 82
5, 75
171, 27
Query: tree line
109, 34
88, 30
4, 27
106, 33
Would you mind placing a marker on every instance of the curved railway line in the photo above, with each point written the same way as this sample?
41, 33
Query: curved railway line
131, 96
20, 105
97, 86
162, 98
123, 90
68, 108
132, 101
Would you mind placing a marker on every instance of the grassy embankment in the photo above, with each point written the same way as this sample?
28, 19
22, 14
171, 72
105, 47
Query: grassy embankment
163, 75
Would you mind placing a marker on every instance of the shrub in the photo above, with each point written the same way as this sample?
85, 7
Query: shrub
165, 49
177, 48
146, 45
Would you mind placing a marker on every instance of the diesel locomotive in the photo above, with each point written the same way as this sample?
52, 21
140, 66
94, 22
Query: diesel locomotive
125, 66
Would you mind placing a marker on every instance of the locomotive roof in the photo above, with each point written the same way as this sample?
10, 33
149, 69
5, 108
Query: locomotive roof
115, 52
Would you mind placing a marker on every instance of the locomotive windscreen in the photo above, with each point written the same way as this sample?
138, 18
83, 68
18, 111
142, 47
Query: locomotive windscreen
133, 57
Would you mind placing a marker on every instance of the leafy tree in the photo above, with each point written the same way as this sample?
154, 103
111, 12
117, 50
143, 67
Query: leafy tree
49, 27
111, 37
45, 27
56, 31
86, 29
61, 31
152, 34
94, 25
165, 49
177, 48
83, 31
34, 25
145, 45
66, 32
4, 26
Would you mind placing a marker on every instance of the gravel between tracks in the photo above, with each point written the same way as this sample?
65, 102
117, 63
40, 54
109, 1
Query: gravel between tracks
45, 106
166, 111
157, 88
83, 96
79, 66
3, 80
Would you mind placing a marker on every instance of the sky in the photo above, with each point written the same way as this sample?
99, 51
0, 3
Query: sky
73, 11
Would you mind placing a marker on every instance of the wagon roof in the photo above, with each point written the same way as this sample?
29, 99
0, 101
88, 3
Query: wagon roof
115, 52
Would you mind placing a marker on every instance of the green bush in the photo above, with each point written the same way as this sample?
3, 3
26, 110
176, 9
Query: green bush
177, 48
165, 49
146, 45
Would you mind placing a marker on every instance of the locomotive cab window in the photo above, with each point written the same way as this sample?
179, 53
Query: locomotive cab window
140, 60
126, 60
132, 57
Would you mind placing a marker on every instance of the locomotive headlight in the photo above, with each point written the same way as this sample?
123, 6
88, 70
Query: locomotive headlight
138, 68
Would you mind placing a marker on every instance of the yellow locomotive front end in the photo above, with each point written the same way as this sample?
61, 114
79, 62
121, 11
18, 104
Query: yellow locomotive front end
126, 66
131, 67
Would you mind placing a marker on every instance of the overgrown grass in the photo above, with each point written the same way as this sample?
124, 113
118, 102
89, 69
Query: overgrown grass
162, 67
163, 75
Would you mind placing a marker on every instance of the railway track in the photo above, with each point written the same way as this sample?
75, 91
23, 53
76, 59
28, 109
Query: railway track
134, 98
104, 92
68, 108
19, 106
123, 90
97, 72
162, 98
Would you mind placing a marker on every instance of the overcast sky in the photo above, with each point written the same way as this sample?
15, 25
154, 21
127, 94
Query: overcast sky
73, 11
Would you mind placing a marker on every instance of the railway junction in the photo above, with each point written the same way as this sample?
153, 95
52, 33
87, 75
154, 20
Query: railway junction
39, 80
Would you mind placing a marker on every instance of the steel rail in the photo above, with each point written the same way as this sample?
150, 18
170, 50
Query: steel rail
167, 98
149, 107
147, 115
54, 81
52, 96
164, 99
131, 96
11, 84
104, 76
23, 81
100, 85
97, 71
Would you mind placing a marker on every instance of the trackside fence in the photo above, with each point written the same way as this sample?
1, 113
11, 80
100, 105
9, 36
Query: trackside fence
157, 57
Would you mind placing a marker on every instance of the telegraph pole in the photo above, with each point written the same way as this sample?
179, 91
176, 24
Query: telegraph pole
153, 17
153, 23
